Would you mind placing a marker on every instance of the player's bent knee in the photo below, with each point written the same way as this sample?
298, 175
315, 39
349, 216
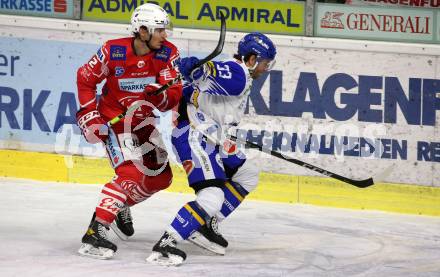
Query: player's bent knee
247, 176
211, 199
131, 189
140, 187
158, 182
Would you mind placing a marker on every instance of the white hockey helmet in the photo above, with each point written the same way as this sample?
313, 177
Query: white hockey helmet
150, 16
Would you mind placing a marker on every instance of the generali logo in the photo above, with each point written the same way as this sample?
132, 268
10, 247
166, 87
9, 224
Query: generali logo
332, 20
390, 23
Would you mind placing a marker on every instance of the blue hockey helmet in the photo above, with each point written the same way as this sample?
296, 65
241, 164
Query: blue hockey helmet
258, 44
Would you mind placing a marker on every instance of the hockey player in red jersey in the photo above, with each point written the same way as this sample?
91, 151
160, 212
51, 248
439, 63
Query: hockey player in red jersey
133, 68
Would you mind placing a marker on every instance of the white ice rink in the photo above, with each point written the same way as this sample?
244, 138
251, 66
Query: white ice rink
41, 225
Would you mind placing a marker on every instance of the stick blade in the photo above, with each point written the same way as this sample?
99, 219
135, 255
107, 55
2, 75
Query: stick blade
380, 177
362, 183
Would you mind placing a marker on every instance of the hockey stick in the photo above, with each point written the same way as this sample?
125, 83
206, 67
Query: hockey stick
357, 183
218, 49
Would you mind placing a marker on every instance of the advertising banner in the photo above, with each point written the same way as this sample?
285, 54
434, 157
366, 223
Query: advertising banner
377, 23
438, 26
351, 112
46, 8
242, 15
434, 4
38, 90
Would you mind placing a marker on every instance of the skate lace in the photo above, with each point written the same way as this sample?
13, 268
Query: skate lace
214, 225
102, 231
169, 240
125, 214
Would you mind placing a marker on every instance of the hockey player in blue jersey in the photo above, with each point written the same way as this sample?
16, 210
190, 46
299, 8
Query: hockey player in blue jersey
215, 98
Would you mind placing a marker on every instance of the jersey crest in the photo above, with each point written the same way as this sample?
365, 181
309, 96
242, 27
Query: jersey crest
163, 54
118, 53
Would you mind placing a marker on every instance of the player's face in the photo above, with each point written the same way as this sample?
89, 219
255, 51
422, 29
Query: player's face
158, 38
263, 66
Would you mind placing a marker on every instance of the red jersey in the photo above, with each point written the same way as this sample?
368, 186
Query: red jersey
126, 76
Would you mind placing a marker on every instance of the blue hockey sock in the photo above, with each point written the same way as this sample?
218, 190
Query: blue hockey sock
234, 195
189, 219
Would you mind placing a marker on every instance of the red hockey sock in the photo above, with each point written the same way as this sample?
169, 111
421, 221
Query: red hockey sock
112, 200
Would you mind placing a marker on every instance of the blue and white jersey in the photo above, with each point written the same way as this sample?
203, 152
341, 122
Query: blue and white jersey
213, 103
220, 95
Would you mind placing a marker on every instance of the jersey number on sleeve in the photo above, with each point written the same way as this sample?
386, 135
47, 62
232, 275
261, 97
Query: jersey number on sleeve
223, 71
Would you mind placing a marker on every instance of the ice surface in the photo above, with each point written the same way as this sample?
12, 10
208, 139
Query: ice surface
42, 223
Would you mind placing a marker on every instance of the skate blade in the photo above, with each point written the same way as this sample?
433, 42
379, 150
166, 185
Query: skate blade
199, 240
158, 259
118, 232
100, 253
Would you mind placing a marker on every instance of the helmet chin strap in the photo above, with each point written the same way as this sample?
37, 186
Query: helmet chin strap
251, 69
147, 42
150, 36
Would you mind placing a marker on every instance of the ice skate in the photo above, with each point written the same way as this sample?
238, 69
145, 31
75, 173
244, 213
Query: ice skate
166, 253
123, 224
209, 238
95, 243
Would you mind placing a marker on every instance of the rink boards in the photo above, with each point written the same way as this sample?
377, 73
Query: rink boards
272, 187
351, 107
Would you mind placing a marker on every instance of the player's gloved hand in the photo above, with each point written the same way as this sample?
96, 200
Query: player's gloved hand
166, 75
159, 101
93, 127
186, 68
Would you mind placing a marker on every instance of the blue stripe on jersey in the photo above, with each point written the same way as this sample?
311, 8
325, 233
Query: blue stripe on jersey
233, 162
229, 79
204, 157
